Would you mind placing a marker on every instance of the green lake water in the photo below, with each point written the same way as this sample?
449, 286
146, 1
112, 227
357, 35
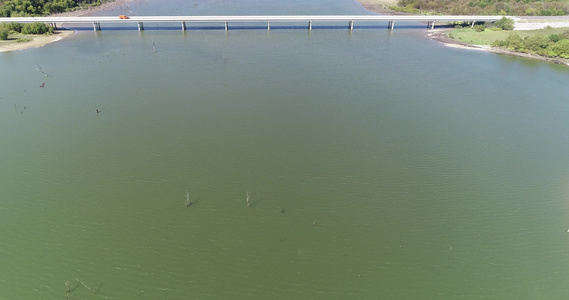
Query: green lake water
380, 165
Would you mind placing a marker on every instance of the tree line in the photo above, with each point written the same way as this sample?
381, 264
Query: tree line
28, 8
486, 7
28, 28
553, 45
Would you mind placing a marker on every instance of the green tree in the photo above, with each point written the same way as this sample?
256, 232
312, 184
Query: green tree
536, 44
505, 23
14, 26
554, 38
479, 28
559, 49
4, 31
490, 7
36, 28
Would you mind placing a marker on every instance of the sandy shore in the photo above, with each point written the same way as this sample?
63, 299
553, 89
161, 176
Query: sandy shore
37, 41
42, 40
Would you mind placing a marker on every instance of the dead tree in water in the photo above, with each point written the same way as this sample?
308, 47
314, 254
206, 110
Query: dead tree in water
95, 291
188, 202
41, 71
85, 285
68, 291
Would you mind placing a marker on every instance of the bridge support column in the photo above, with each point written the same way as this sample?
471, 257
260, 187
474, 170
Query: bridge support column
226, 26
183, 26
96, 26
140, 26
268, 25
432, 25
351, 25
391, 25
472, 24
309, 25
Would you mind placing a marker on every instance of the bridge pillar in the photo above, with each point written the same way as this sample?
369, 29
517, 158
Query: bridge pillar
183, 26
309, 25
432, 25
351, 25
140, 26
472, 24
226, 26
96, 26
391, 25
268, 25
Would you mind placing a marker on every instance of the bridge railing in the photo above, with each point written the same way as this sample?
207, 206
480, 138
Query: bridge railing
139, 20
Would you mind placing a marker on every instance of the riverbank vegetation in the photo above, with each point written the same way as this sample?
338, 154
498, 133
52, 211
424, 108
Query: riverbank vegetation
484, 7
24, 8
21, 30
548, 42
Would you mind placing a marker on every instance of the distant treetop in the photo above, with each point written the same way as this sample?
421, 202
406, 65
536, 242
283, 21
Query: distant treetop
486, 7
24, 8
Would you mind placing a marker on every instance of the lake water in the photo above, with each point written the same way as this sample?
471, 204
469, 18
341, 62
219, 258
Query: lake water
380, 165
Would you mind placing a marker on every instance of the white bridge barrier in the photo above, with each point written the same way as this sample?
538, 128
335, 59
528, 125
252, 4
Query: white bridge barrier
226, 20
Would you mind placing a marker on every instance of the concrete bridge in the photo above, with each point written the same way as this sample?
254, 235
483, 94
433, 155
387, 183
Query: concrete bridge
184, 20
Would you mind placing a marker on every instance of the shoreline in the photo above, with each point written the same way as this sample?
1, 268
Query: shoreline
37, 41
377, 6
43, 40
441, 35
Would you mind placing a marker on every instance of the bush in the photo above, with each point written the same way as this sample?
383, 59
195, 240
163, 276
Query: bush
536, 44
479, 28
14, 26
3, 33
554, 38
560, 49
504, 23
513, 41
564, 35
36, 28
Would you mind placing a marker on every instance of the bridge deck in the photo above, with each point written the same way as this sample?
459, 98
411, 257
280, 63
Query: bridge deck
96, 21
291, 18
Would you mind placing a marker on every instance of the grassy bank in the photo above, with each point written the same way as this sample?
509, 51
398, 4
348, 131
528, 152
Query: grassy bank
18, 38
550, 44
18, 41
487, 37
